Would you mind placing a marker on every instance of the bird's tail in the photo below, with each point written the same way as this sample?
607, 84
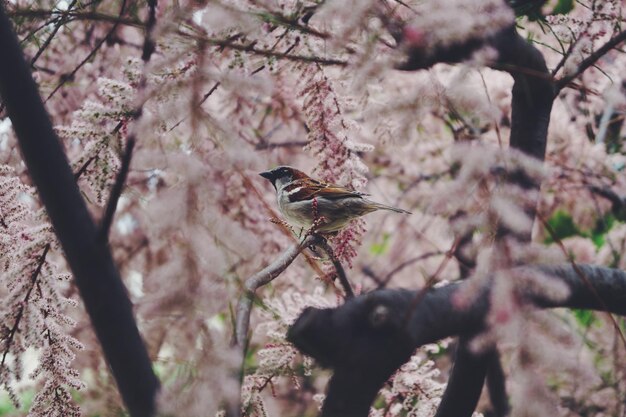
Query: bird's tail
380, 206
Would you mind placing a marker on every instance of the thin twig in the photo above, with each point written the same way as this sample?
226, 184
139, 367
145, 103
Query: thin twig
581, 274
66, 77
383, 282
270, 146
204, 98
252, 49
341, 273
48, 40
71, 15
432, 279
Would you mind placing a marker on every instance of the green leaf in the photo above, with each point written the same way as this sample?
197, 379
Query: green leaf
381, 248
603, 225
563, 7
563, 226
584, 317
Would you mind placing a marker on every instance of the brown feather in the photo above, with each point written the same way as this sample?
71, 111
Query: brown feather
310, 188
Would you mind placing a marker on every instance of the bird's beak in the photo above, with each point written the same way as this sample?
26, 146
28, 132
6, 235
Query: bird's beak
267, 174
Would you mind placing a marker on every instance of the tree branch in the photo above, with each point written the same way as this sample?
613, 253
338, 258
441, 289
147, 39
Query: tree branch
72, 15
252, 49
496, 385
97, 278
466, 381
15, 328
341, 273
116, 191
532, 98
591, 60
364, 343
67, 77
51, 36
261, 278
148, 45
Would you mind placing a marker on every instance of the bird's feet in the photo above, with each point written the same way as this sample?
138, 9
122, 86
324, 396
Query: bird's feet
317, 223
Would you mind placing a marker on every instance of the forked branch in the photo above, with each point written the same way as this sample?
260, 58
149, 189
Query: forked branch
364, 341
261, 278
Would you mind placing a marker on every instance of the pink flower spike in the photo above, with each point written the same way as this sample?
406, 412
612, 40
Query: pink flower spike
414, 37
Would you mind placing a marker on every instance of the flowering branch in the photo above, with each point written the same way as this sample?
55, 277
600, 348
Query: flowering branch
592, 59
67, 77
33, 281
532, 98
97, 278
72, 15
252, 49
364, 342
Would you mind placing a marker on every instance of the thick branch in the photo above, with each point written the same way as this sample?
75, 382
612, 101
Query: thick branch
96, 276
466, 381
496, 385
532, 98
364, 341
533, 93
149, 46
423, 58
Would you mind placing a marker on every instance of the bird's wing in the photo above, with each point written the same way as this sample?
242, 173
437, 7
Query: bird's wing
307, 189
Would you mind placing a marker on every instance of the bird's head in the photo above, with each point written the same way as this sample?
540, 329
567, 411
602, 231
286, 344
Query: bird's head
283, 175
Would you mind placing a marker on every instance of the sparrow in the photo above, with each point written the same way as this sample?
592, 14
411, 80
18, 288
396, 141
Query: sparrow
302, 200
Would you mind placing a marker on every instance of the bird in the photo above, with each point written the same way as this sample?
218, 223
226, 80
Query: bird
302, 200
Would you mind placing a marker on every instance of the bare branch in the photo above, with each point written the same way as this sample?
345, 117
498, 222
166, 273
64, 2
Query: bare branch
261, 278
341, 273
618, 202
496, 386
